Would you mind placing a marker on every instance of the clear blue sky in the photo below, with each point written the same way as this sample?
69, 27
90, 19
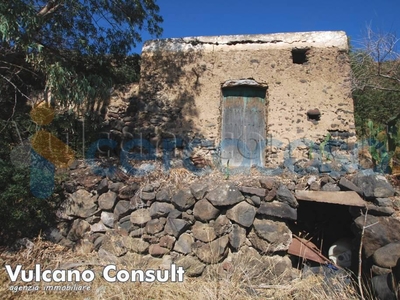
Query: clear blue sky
223, 17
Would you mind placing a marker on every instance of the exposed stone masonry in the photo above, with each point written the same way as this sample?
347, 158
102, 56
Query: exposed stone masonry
207, 221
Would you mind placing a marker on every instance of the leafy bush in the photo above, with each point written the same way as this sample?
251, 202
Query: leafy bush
20, 212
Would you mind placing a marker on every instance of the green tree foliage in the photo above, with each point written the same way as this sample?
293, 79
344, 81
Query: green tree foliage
376, 80
376, 94
21, 213
74, 51
60, 41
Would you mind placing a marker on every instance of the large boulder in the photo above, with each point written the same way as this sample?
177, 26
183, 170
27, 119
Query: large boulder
160, 209
379, 210
78, 229
268, 183
192, 266
138, 245
114, 243
222, 225
212, 252
167, 241
223, 195
198, 190
277, 209
128, 191
270, 236
253, 191
155, 226
184, 243
373, 186
383, 288
157, 251
122, 209
283, 194
347, 185
147, 196
140, 216
204, 211
107, 218
183, 200
330, 187
203, 232
164, 195
237, 236
107, 200
115, 186
175, 227
98, 227
378, 232
242, 213
81, 204
387, 256
102, 187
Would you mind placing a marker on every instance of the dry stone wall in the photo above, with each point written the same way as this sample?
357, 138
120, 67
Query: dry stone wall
207, 221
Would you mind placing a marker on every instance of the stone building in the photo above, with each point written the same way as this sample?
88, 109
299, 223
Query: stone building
260, 99
279, 101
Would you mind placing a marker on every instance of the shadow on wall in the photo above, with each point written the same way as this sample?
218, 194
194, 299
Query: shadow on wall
170, 81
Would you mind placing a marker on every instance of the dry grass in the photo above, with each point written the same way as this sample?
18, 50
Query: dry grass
240, 282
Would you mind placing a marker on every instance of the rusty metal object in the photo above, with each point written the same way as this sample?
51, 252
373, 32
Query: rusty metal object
307, 250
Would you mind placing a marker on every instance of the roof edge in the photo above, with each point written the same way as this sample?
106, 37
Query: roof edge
280, 40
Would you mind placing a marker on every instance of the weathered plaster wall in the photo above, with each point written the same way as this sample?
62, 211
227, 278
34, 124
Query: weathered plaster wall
187, 73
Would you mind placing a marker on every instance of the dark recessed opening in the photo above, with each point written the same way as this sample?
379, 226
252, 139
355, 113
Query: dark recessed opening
324, 225
299, 56
313, 115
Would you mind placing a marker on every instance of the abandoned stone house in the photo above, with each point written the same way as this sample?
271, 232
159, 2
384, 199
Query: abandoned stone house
259, 99
252, 100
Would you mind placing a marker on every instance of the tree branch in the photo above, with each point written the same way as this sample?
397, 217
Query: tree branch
15, 87
48, 9
375, 87
376, 65
389, 77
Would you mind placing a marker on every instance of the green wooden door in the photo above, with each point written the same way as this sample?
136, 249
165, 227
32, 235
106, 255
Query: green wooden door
243, 126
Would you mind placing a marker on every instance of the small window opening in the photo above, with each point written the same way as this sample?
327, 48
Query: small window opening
313, 115
299, 56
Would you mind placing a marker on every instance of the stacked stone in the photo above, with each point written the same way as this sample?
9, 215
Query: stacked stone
197, 225
375, 189
201, 224
381, 237
128, 118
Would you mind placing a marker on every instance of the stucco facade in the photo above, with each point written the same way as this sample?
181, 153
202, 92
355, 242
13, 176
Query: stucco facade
306, 77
